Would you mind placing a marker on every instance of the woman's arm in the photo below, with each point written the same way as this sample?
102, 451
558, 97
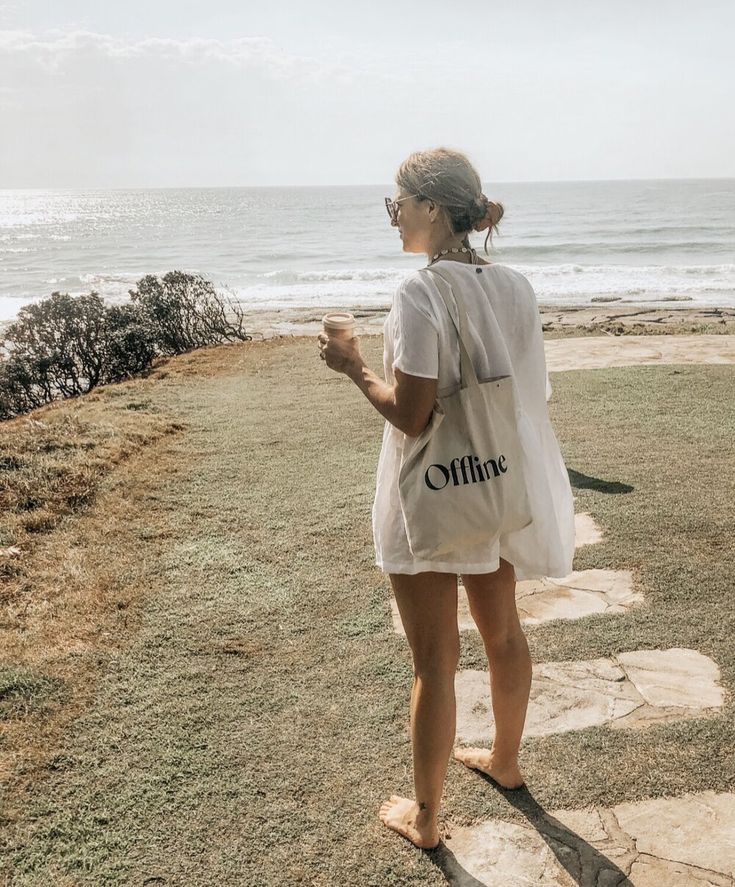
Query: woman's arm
408, 404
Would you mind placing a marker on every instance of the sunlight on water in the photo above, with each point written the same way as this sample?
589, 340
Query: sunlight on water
653, 242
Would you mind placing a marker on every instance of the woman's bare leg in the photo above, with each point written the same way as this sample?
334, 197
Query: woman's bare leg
427, 603
492, 603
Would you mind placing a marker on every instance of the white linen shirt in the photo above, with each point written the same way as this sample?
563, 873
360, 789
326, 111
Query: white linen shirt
421, 340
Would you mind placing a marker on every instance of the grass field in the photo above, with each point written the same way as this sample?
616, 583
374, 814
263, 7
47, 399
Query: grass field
199, 681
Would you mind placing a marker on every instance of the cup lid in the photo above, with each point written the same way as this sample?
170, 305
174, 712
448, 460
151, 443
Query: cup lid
339, 319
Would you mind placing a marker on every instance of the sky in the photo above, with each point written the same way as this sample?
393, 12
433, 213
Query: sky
176, 93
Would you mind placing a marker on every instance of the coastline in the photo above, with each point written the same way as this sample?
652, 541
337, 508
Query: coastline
568, 320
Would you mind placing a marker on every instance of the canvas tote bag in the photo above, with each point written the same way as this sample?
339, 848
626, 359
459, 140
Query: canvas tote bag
462, 480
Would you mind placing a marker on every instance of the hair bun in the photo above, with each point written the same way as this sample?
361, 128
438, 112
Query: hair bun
495, 210
492, 213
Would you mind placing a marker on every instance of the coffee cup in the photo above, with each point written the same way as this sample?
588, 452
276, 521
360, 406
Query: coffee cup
339, 324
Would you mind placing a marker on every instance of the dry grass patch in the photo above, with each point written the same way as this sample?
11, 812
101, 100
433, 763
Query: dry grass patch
53, 460
65, 605
78, 606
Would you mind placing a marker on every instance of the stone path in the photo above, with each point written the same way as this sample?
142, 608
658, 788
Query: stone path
629, 690
579, 594
597, 352
662, 842
674, 842
586, 531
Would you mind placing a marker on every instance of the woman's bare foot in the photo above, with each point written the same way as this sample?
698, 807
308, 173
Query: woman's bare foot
402, 815
482, 759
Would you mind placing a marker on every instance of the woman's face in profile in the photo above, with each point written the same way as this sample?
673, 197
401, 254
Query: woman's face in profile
413, 223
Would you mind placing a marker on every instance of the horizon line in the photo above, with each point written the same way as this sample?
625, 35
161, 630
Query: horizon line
351, 185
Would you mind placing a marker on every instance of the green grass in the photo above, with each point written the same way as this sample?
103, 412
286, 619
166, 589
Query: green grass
22, 691
250, 729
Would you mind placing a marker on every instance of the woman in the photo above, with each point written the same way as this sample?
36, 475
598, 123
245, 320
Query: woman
439, 200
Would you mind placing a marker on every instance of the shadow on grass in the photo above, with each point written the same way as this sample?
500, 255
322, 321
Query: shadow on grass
586, 865
584, 481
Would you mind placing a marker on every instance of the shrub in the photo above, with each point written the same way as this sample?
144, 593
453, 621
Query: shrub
60, 340
129, 349
184, 311
66, 345
19, 390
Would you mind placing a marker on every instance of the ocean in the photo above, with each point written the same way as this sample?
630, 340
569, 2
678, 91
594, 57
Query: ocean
655, 243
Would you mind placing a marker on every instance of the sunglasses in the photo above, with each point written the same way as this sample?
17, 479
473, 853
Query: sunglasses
393, 207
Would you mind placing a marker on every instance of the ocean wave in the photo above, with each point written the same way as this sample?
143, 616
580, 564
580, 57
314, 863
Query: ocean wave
288, 277
23, 235
110, 276
282, 276
606, 235
571, 282
608, 247
650, 271
705, 269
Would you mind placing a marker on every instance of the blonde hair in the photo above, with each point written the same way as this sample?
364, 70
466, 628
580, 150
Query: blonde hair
449, 179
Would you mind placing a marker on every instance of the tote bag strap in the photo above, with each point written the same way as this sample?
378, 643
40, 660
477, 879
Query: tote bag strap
467, 370
467, 374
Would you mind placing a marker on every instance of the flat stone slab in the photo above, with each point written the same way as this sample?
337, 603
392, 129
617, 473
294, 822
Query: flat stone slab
581, 593
628, 691
586, 531
597, 352
661, 842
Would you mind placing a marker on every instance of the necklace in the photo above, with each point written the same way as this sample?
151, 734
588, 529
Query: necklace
456, 249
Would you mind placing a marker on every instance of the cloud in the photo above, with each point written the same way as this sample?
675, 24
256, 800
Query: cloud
82, 108
55, 49
91, 109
